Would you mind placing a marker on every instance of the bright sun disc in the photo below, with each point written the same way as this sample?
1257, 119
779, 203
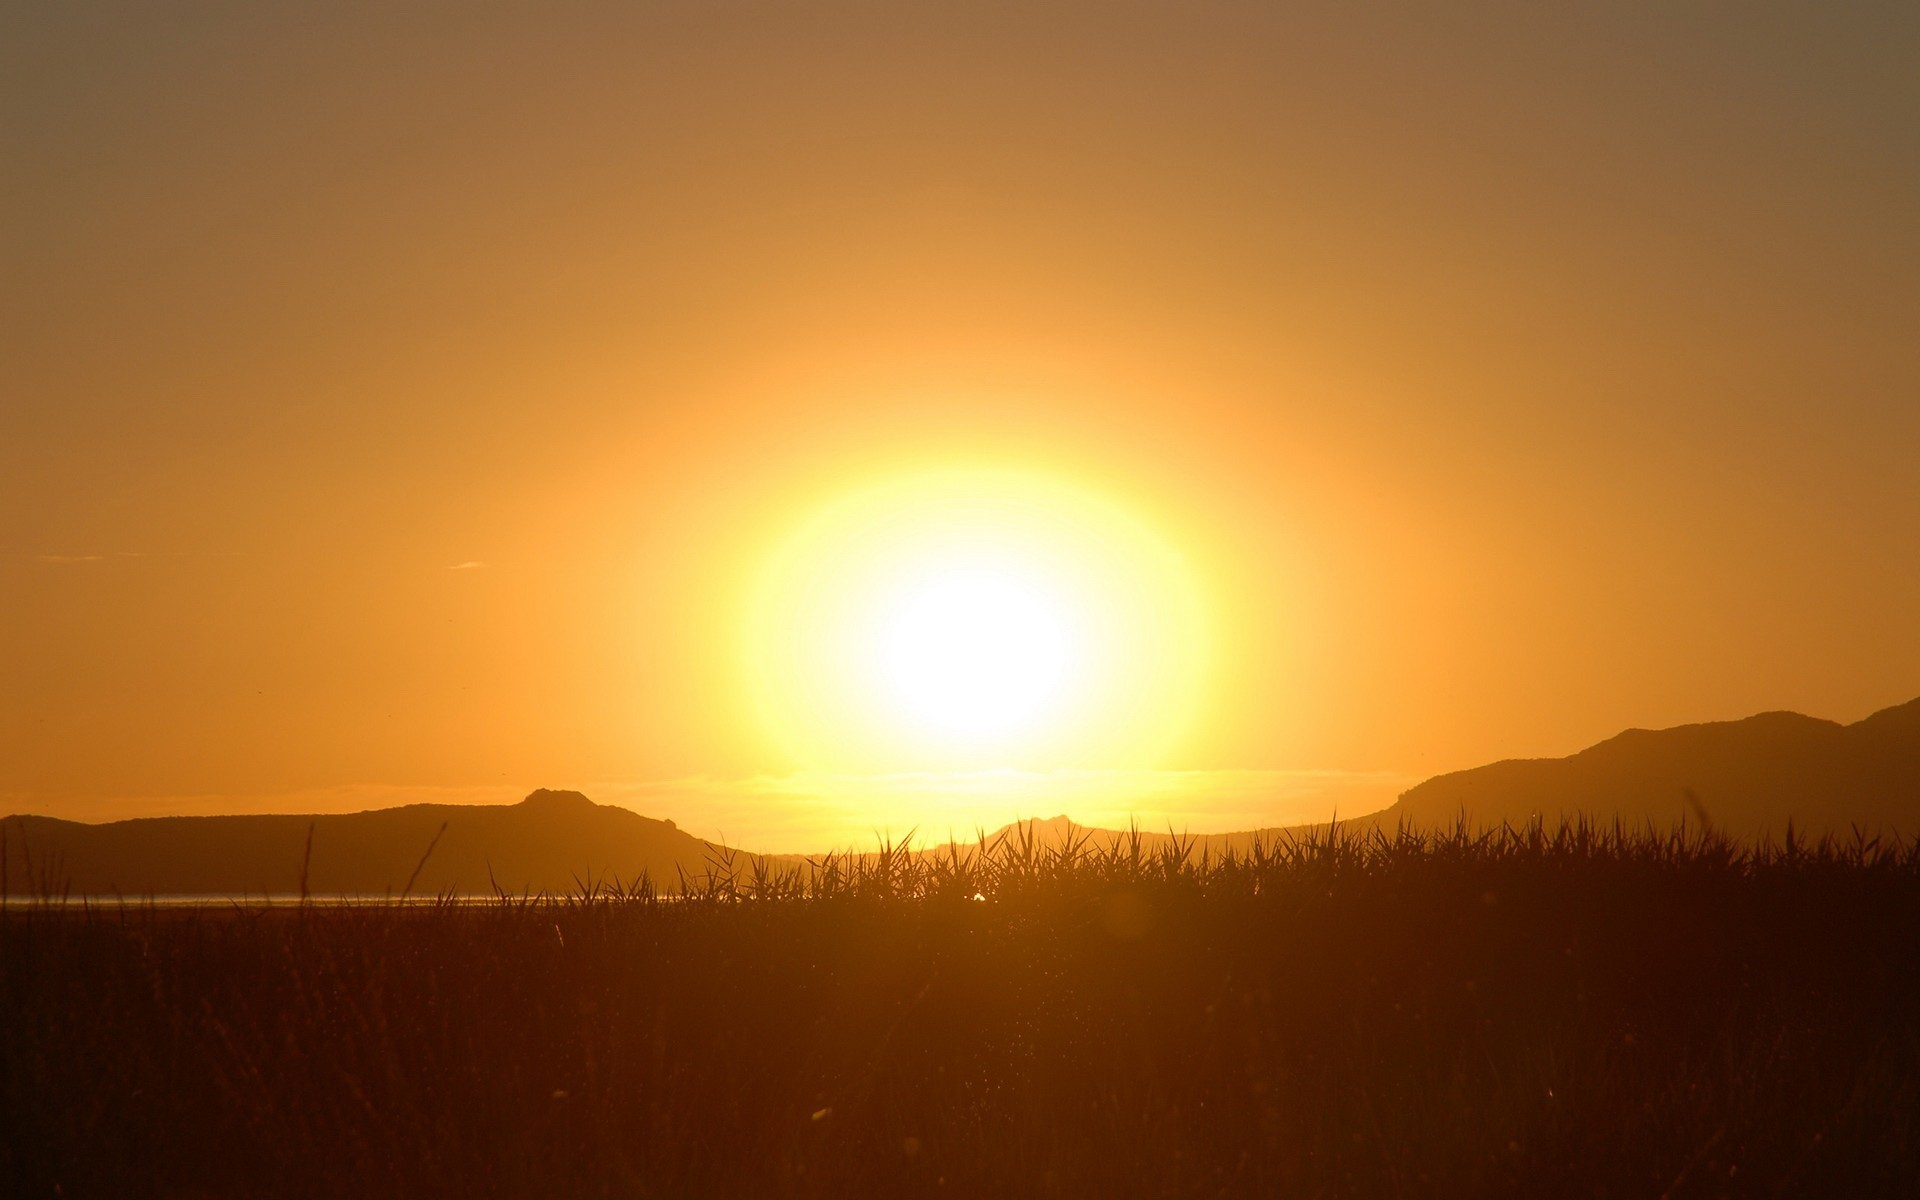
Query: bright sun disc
970, 619
976, 652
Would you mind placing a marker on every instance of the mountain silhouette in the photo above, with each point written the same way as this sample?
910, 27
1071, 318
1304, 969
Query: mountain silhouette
1747, 777
551, 841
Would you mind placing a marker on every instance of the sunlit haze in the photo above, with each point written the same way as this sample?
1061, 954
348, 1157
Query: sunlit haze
972, 620
799, 421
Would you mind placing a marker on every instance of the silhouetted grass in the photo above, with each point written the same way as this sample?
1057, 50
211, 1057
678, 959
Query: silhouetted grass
1575, 1012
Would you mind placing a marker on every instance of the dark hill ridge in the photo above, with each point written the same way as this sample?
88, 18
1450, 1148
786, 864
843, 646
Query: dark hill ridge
1748, 777
545, 842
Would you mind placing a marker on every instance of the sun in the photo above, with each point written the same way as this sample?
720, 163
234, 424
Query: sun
970, 619
974, 651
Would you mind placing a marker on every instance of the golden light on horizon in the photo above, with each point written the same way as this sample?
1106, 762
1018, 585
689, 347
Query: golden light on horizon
404, 407
974, 618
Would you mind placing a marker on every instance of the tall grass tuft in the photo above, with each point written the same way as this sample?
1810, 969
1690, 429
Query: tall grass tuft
1583, 1009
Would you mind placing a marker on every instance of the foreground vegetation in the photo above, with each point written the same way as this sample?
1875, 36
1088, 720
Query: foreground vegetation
1575, 1012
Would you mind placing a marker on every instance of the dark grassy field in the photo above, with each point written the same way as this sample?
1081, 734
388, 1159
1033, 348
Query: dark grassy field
1575, 1014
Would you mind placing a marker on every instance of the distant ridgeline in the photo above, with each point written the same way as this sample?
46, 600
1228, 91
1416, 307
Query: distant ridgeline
1747, 778
550, 841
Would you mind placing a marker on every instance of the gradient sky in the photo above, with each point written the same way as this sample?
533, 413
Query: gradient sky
399, 397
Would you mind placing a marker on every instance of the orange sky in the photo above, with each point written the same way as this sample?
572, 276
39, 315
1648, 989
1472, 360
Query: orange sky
1508, 375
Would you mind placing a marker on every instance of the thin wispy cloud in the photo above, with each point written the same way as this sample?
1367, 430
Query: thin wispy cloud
64, 559
315, 801
470, 565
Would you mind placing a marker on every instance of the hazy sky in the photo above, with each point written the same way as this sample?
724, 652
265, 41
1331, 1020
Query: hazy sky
403, 397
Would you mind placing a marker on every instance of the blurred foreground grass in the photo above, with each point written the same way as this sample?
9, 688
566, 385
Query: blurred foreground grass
1571, 1012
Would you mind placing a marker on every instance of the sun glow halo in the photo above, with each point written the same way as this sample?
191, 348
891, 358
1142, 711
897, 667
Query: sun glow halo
972, 619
